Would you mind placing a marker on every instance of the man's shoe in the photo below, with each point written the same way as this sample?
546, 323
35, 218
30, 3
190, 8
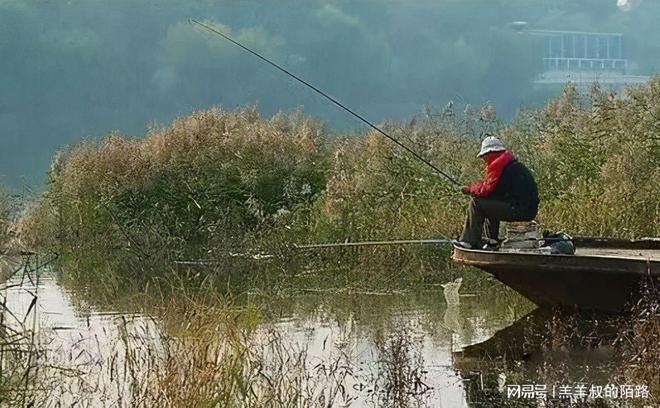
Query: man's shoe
461, 244
491, 245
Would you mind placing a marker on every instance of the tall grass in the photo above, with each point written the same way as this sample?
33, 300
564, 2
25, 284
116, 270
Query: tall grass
20, 347
213, 180
7, 215
220, 182
638, 341
596, 160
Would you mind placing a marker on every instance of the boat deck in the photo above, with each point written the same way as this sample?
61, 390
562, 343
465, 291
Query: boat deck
604, 276
627, 253
644, 254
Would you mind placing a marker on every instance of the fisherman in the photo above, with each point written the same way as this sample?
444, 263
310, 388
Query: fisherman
508, 192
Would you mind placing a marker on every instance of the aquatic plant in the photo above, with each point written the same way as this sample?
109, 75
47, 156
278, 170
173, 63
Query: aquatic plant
638, 341
564, 347
230, 187
8, 209
209, 352
598, 157
210, 180
20, 349
401, 381
595, 155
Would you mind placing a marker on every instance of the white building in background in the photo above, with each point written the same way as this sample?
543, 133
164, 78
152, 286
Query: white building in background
583, 58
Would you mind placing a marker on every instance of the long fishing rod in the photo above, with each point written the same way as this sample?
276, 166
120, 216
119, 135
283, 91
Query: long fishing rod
259, 256
330, 98
374, 243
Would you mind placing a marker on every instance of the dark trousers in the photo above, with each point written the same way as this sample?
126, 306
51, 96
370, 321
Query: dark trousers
484, 212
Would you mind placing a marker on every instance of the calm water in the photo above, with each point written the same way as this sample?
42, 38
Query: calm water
364, 330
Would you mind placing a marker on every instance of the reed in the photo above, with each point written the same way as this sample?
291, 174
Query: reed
210, 181
596, 156
21, 349
205, 352
218, 183
638, 341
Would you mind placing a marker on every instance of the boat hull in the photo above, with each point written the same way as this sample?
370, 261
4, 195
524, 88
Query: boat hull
582, 282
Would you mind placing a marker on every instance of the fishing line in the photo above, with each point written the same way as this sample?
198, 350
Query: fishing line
330, 98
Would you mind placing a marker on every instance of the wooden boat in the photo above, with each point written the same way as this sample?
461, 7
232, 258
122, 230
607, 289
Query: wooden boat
604, 274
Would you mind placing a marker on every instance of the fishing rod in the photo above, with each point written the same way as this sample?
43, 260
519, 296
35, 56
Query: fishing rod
374, 243
330, 98
260, 256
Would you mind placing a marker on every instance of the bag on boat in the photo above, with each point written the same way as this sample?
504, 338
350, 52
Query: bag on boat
558, 243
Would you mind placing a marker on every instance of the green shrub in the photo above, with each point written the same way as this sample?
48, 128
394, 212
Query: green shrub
211, 179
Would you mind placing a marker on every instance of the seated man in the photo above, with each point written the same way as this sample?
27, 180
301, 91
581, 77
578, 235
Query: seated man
507, 193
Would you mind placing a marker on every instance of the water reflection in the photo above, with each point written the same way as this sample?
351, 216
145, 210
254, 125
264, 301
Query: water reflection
76, 350
367, 329
396, 345
547, 347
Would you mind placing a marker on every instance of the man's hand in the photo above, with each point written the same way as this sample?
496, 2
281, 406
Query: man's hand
465, 190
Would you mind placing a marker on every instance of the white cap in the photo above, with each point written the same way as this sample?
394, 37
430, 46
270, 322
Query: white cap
491, 144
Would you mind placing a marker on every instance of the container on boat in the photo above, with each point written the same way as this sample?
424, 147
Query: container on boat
521, 235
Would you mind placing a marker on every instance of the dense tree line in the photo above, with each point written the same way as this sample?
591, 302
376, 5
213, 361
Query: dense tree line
80, 68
